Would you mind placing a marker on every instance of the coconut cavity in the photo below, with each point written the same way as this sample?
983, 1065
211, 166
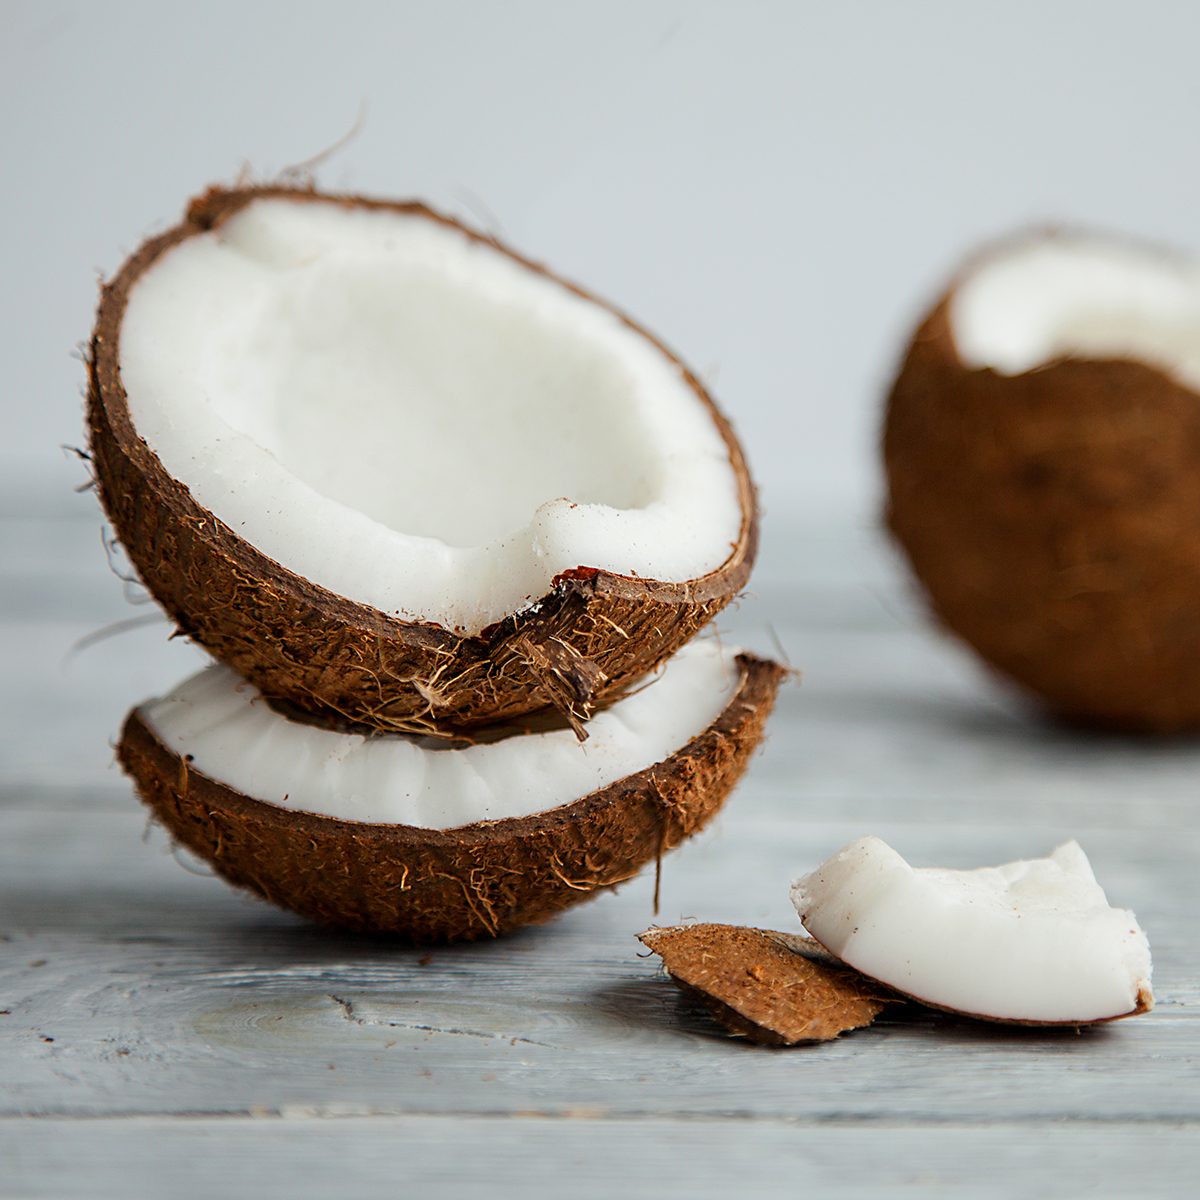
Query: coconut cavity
1030, 941
1082, 297
222, 727
409, 417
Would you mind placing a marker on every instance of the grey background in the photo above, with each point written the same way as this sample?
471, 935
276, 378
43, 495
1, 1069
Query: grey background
776, 189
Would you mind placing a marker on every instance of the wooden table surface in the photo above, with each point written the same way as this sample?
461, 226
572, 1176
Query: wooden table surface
164, 1036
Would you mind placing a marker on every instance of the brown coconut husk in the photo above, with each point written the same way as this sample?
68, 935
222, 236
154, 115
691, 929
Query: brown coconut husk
777, 989
1052, 520
476, 881
585, 642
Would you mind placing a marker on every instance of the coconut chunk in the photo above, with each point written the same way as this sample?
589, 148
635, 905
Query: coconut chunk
1030, 941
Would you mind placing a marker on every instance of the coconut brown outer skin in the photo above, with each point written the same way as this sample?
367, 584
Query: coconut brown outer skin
449, 885
1054, 520
776, 989
583, 643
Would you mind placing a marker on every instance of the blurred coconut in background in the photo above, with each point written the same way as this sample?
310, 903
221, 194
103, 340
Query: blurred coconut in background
1042, 451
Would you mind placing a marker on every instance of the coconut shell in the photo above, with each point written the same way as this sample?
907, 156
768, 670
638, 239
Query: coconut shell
776, 989
475, 881
1052, 518
583, 643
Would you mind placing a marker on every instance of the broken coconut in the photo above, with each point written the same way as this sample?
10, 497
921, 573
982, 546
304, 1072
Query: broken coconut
1032, 942
436, 840
773, 988
1042, 446
393, 472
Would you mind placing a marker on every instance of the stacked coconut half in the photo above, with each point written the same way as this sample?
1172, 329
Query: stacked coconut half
450, 526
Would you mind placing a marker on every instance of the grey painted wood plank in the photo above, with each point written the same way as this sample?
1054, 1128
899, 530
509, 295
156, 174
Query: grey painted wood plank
166, 993
581, 1157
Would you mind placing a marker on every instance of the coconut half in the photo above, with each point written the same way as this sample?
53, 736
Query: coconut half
402, 834
387, 469
1042, 446
1034, 942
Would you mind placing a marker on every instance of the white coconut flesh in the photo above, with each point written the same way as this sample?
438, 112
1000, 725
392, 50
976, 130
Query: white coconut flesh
235, 738
412, 419
1082, 297
1034, 940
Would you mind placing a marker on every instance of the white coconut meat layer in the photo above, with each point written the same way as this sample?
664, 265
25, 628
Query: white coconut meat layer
1034, 940
1085, 297
412, 419
238, 740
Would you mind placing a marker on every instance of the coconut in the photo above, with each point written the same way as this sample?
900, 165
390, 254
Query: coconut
392, 472
1042, 446
772, 988
1033, 942
435, 840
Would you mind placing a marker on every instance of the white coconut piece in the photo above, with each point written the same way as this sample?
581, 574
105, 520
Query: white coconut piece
235, 738
341, 385
1079, 296
1031, 941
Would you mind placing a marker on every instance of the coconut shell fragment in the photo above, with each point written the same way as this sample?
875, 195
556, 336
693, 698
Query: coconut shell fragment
583, 643
773, 988
469, 882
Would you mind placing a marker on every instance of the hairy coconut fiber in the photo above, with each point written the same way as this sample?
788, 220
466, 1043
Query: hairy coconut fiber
777, 989
583, 643
1053, 518
475, 881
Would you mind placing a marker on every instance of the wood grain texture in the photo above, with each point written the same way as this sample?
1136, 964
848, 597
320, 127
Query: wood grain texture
580, 1156
196, 1032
